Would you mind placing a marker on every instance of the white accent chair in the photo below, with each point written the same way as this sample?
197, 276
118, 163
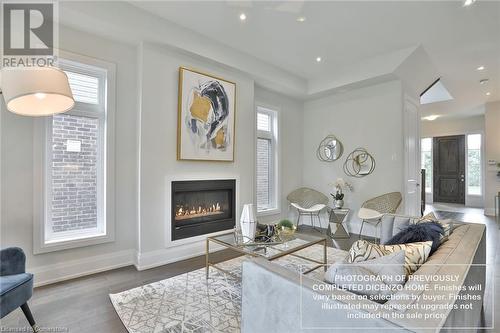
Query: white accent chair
308, 202
374, 209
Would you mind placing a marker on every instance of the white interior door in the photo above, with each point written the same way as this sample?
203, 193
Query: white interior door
412, 195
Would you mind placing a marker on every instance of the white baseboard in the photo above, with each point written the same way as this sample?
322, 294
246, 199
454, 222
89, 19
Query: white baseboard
151, 259
77, 268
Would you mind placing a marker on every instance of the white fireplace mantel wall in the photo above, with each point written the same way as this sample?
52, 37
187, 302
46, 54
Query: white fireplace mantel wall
159, 66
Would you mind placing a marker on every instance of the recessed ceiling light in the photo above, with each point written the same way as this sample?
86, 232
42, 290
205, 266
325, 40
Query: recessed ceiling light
488, 93
468, 2
480, 68
318, 59
431, 117
301, 19
243, 17
483, 81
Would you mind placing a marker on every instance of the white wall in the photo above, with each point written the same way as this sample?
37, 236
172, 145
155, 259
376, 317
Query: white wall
158, 142
17, 173
457, 126
492, 188
290, 115
452, 126
370, 117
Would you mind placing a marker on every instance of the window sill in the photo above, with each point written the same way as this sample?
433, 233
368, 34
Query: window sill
76, 241
268, 212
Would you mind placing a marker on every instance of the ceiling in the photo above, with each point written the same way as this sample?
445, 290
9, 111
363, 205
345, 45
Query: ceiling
344, 34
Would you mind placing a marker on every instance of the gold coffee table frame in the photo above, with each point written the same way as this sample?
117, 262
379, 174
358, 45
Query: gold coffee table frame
249, 250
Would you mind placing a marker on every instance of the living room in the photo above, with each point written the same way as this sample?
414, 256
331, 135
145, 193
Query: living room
175, 142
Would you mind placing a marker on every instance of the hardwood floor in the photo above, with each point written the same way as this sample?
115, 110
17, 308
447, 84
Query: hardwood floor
83, 306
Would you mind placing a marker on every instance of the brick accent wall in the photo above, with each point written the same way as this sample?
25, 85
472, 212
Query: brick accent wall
74, 172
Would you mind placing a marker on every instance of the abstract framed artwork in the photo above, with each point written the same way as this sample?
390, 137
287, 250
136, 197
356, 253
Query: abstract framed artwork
206, 117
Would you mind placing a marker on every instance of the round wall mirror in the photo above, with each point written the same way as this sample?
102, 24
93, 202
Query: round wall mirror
330, 149
359, 163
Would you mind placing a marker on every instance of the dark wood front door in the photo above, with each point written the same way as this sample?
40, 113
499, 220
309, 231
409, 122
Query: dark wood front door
449, 169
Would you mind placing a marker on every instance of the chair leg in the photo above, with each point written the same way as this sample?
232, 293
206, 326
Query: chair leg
314, 224
360, 235
378, 228
29, 316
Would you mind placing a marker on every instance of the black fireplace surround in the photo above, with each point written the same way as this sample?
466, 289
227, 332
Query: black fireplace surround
201, 207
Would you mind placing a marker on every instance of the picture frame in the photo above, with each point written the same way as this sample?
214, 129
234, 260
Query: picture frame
206, 119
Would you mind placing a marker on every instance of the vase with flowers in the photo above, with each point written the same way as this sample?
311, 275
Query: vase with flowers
338, 197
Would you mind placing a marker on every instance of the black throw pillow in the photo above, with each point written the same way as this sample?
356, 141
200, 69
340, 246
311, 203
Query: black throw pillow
420, 232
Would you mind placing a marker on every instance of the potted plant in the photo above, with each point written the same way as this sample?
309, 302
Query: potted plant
338, 198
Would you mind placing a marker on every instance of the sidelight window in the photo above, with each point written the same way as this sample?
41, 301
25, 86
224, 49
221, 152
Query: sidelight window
474, 164
426, 160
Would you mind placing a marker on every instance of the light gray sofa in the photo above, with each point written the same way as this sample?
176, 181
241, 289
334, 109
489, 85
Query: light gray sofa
276, 299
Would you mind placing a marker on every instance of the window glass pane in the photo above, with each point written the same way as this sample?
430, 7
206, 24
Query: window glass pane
263, 173
474, 141
263, 122
85, 88
74, 172
426, 160
426, 144
474, 164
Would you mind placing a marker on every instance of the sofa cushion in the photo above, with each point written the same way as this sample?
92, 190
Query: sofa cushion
391, 225
366, 283
415, 253
9, 282
377, 278
419, 232
15, 290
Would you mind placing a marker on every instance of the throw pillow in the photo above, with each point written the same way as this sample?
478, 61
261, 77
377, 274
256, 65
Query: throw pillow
415, 253
446, 224
420, 232
378, 278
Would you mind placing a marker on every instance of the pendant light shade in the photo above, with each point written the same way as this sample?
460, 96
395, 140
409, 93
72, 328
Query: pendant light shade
36, 91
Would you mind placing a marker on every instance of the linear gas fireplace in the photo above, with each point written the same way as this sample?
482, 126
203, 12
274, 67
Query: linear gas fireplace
202, 206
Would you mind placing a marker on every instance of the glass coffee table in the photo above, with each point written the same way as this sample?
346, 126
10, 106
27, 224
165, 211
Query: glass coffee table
269, 251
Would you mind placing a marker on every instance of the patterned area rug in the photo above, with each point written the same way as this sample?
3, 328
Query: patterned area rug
191, 303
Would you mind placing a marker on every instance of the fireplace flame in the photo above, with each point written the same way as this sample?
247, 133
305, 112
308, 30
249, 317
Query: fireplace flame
184, 212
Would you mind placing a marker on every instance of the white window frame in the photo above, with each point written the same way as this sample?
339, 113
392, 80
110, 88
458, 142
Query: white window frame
44, 240
274, 193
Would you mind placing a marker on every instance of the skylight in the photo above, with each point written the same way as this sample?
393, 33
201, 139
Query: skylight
437, 92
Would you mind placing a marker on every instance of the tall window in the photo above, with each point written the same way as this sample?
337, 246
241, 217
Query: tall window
426, 160
474, 164
75, 163
267, 160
